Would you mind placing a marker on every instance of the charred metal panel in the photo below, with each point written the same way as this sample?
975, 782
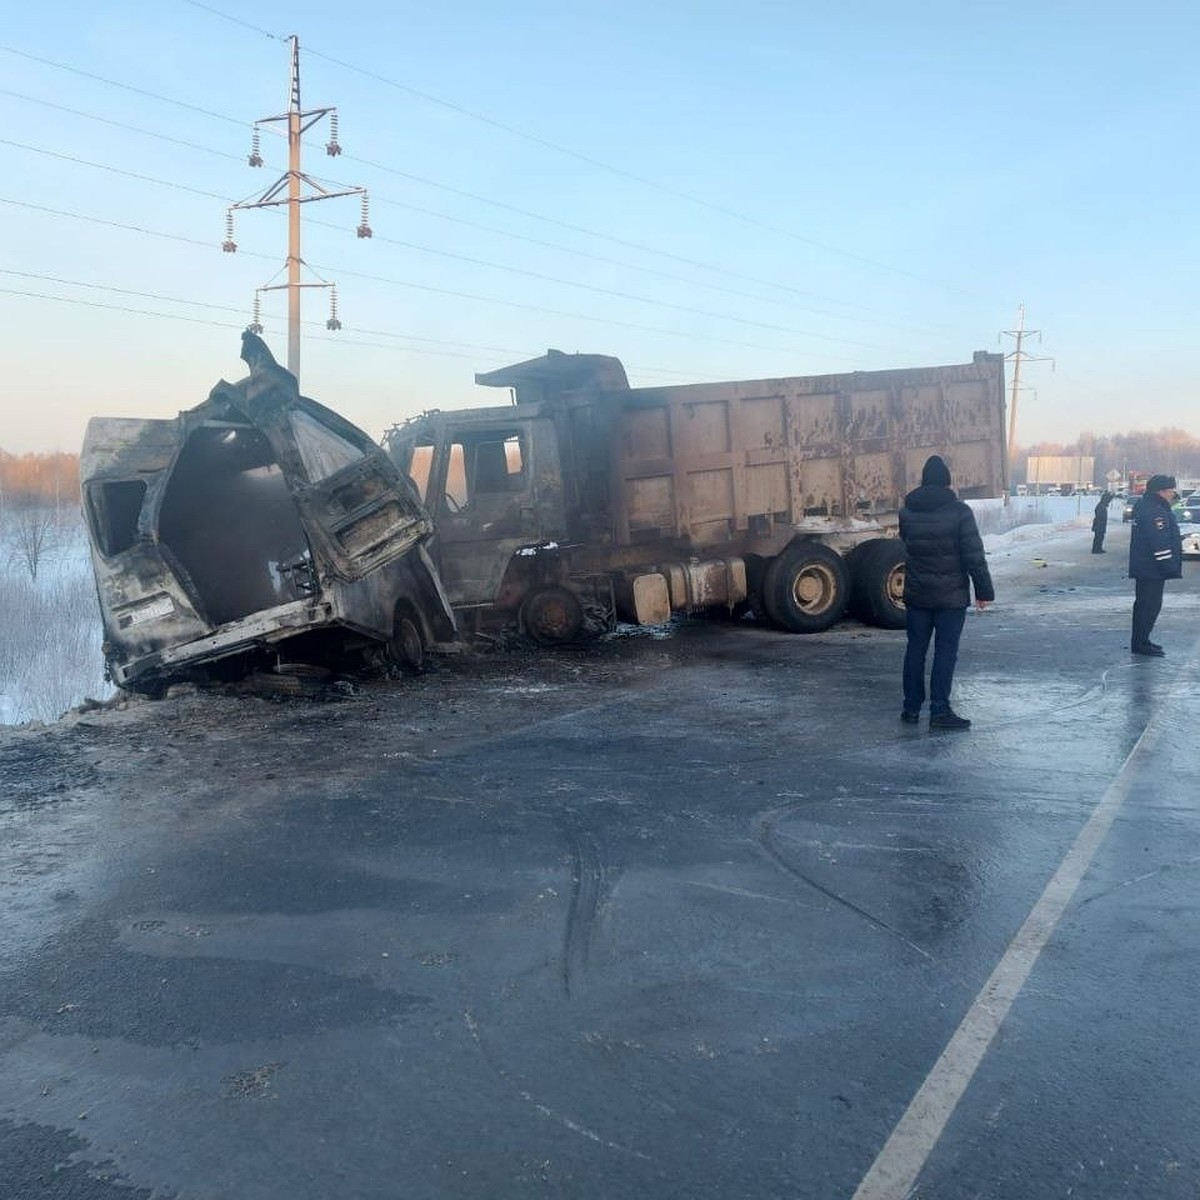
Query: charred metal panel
646, 434
767, 490
762, 424
255, 518
710, 513
547, 379
702, 429
651, 504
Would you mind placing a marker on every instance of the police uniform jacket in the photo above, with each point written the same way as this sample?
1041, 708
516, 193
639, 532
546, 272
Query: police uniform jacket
1155, 547
943, 551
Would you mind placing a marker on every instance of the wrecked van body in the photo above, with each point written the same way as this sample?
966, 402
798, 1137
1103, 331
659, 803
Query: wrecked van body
254, 530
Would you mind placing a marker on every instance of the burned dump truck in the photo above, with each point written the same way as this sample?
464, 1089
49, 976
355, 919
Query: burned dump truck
255, 531
586, 500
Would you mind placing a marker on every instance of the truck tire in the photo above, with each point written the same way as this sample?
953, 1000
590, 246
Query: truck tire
805, 588
877, 583
407, 647
551, 614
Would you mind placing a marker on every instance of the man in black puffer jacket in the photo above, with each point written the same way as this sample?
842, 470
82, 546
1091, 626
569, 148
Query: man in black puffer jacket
944, 558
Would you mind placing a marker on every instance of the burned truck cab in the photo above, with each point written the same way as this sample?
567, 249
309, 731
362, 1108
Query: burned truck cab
257, 527
517, 492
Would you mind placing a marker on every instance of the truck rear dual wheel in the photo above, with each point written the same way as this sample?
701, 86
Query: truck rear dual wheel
877, 583
805, 589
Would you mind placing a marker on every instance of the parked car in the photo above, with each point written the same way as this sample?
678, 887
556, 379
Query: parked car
1187, 510
1191, 541
1128, 506
255, 530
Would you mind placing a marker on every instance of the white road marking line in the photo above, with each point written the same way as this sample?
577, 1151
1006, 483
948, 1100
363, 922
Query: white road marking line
894, 1172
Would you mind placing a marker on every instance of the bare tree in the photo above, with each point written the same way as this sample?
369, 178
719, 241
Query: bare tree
33, 530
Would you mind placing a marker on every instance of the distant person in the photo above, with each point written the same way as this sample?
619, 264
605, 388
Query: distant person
1100, 522
1155, 555
943, 558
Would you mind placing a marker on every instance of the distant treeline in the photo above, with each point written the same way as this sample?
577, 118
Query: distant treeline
51, 479
1168, 451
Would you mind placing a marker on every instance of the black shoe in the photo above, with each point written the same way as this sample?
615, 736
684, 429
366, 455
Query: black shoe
948, 720
1099, 551
1149, 649
909, 718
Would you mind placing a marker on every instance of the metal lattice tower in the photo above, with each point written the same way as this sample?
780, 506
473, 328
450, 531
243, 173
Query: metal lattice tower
1017, 357
294, 188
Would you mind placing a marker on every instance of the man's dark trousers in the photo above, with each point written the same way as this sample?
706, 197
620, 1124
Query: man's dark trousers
1147, 604
945, 626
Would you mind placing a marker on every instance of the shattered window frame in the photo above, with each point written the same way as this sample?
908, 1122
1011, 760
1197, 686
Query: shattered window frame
115, 507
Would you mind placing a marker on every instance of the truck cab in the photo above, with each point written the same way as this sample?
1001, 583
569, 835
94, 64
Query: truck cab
491, 479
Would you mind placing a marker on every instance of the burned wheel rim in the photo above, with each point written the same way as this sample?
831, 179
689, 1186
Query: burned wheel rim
551, 615
408, 647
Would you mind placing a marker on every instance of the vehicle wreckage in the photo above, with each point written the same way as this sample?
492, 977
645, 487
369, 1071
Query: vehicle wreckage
585, 501
257, 530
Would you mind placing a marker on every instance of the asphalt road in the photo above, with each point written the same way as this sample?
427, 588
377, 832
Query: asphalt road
688, 917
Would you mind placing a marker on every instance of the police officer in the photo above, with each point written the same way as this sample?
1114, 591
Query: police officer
1100, 521
1155, 555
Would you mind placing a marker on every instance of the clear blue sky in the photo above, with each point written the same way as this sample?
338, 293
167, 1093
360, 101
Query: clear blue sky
706, 190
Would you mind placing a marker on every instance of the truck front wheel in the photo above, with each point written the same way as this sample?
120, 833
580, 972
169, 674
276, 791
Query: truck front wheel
551, 614
877, 590
805, 588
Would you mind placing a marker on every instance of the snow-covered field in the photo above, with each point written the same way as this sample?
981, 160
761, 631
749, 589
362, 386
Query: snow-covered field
50, 656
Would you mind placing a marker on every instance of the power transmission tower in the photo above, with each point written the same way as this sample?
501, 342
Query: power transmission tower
1017, 357
294, 182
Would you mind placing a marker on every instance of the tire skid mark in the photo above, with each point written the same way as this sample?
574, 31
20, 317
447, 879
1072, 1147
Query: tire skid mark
590, 886
766, 835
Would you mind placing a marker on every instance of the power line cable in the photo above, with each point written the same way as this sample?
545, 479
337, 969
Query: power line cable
118, 308
216, 12
500, 353
579, 156
587, 287
491, 229
139, 229
502, 302
83, 162
638, 246
89, 116
641, 326
429, 212
127, 87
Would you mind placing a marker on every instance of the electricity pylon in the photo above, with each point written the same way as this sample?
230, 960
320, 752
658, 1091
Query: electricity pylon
295, 183
1017, 357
